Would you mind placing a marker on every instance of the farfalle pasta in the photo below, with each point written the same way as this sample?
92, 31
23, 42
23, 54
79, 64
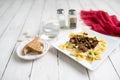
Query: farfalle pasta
85, 47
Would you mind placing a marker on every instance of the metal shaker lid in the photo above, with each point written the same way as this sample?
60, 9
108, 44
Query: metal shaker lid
72, 11
60, 11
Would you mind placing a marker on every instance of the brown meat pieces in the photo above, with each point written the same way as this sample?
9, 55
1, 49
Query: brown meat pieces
73, 40
82, 47
83, 42
94, 44
76, 39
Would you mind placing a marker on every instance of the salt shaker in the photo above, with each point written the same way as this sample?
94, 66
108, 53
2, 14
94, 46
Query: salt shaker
61, 18
72, 19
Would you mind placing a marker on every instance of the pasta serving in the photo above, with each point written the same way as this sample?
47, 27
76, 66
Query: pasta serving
84, 47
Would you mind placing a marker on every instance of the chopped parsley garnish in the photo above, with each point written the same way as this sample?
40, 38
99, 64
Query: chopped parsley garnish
90, 53
83, 36
79, 40
95, 37
73, 46
95, 53
85, 44
91, 41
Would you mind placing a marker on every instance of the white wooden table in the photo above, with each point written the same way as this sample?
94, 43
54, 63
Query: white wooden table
19, 16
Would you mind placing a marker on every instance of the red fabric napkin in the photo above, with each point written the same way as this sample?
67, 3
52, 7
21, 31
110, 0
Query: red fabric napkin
102, 22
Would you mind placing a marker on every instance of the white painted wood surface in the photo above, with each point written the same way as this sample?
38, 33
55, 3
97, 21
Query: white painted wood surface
19, 16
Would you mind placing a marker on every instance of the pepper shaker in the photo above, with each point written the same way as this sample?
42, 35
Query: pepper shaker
72, 19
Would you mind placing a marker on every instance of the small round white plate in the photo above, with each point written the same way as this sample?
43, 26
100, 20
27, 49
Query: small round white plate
31, 55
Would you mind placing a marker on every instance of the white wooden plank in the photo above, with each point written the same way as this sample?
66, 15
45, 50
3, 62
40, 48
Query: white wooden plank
104, 72
32, 26
60, 4
114, 5
115, 59
5, 5
86, 5
49, 12
9, 15
75, 6
69, 69
8, 42
2, 2
46, 68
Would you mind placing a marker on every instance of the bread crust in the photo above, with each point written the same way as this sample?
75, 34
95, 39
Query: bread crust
34, 46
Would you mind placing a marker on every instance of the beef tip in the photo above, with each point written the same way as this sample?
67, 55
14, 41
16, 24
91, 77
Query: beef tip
73, 40
86, 40
85, 33
76, 39
84, 43
94, 44
83, 40
79, 36
89, 45
82, 47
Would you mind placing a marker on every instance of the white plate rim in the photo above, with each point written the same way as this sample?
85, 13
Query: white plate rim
83, 63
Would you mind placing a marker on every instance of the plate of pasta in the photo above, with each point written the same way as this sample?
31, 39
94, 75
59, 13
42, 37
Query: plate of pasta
88, 48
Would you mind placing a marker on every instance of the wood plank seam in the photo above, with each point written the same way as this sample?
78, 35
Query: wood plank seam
31, 70
68, 4
16, 41
81, 5
8, 7
7, 62
11, 19
58, 65
41, 16
112, 7
114, 67
88, 74
94, 4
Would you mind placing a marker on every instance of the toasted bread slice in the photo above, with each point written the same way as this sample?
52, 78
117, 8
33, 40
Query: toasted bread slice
26, 50
34, 46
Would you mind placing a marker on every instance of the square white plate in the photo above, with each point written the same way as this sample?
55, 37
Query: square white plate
112, 43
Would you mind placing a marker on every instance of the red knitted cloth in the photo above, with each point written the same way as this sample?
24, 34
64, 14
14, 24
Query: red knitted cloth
101, 21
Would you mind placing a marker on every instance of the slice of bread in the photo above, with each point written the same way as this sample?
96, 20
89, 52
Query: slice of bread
26, 50
34, 46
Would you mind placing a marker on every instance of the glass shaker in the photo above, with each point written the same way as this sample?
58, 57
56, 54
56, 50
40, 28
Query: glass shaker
61, 18
72, 19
